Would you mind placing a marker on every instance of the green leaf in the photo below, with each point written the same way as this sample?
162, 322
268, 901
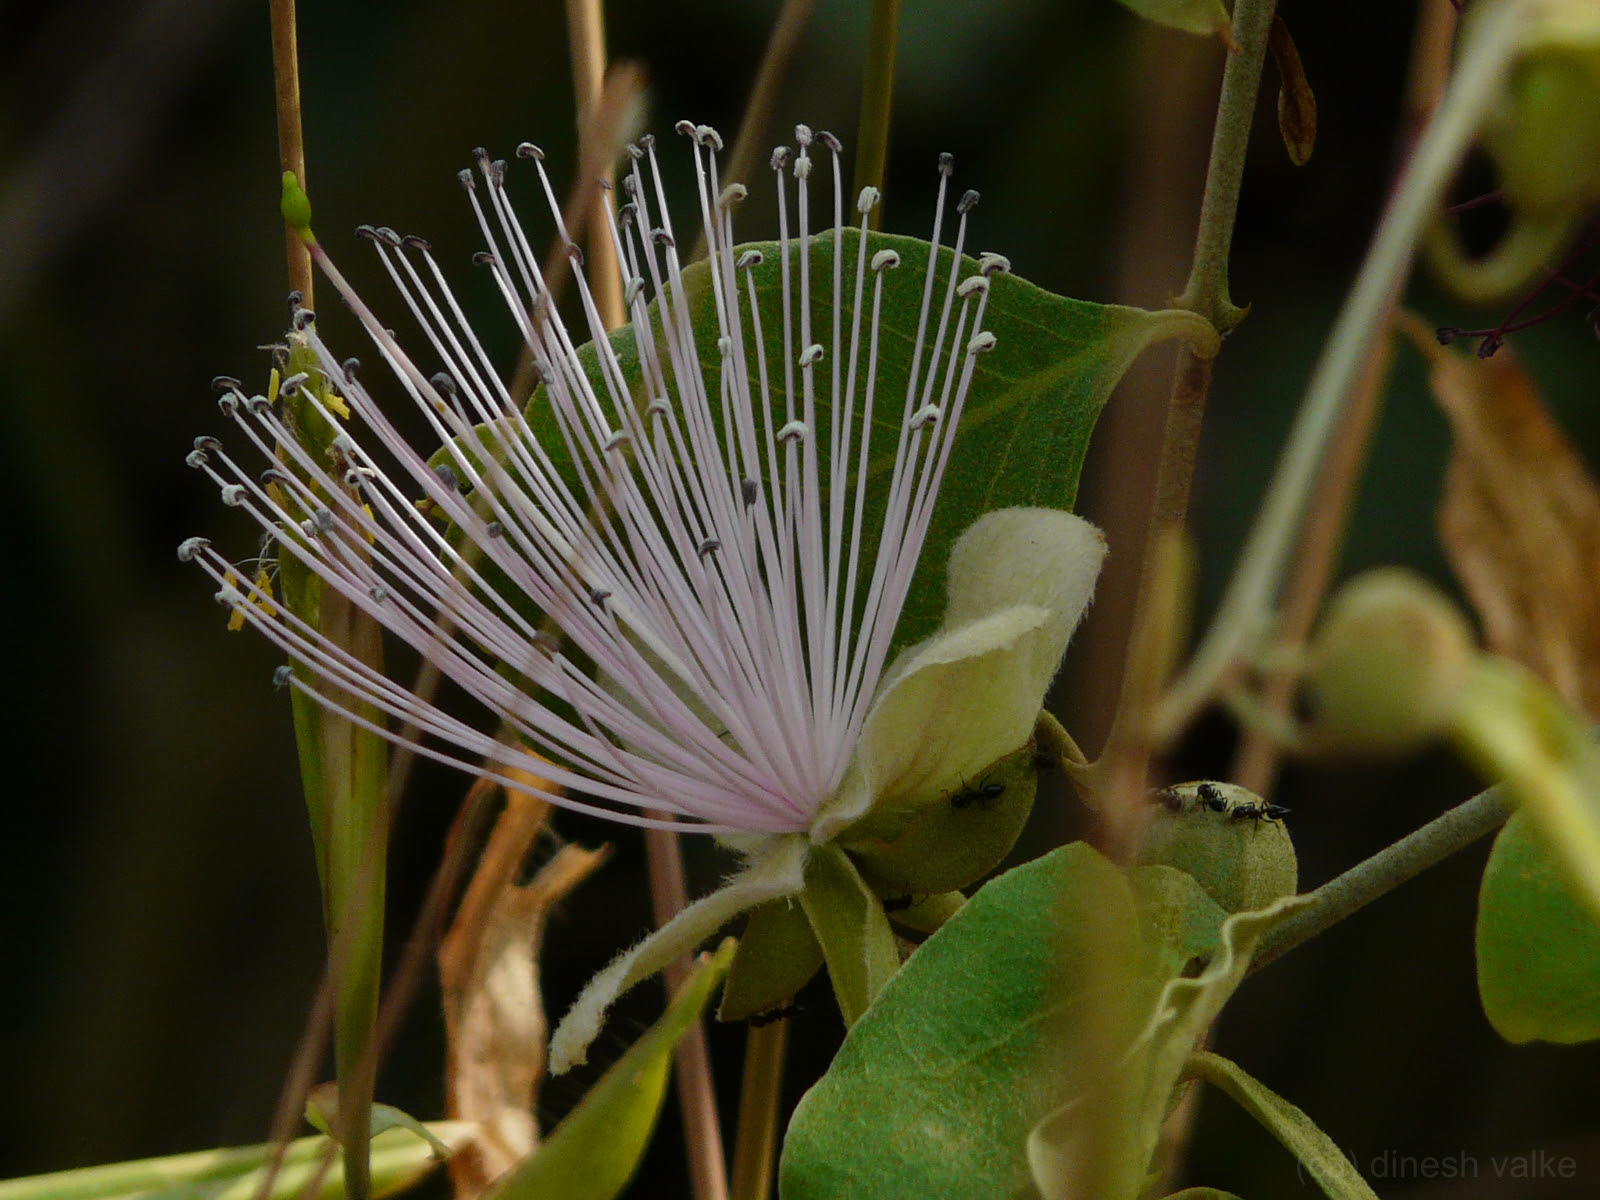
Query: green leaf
852, 929
1030, 409
1028, 992
1206, 17
399, 1159
322, 1114
1538, 945
594, 1152
1299, 1134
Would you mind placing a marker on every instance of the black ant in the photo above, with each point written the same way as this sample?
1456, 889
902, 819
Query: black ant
774, 1014
898, 903
1211, 796
1260, 812
967, 797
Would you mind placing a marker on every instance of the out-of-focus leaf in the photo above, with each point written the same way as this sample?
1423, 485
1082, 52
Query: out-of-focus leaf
1300, 1135
594, 1152
1297, 105
1538, 944
399, 1158
1206, 17
1025, 998
1062, 1145
1520, 520
495, 1025
322, 1114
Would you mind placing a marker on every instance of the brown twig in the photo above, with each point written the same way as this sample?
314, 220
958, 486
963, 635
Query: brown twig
757, 1143
708, 1170
291, 136
586, 29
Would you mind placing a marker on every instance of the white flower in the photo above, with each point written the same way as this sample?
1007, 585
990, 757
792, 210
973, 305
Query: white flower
705, 551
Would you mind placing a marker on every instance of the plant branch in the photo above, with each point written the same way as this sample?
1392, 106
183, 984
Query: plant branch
1255, 766
1388, 869
708, 1171
1245, 612
877, 99
291, 137
1129, 745
586, 30
754, 1150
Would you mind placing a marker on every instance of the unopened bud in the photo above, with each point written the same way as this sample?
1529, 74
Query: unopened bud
1388, 665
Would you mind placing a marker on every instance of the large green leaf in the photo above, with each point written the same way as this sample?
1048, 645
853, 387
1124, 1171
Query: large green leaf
1538, 944
1031, 407
1024, 997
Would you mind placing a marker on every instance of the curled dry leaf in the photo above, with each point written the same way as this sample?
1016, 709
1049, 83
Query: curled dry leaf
1297, 105
1519, 520
494, 1019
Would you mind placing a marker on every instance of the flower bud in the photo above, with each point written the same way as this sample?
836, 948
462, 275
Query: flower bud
1234, 845
1543, 134
1388, 664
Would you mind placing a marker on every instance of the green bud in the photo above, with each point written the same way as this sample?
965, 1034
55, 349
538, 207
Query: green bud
1234, 846
948, 841
296, 208
1543, 133
1388, 665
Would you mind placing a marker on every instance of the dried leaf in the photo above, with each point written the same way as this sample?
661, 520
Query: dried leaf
1520, 521
1297, 106
494, 1019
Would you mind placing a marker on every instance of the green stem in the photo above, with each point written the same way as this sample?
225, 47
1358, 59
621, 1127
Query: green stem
1207, 290
1246, 609
1388, 869
877, 99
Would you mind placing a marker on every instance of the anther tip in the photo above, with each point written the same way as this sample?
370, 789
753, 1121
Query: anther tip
947, 164
968, 202
831, 142
686, 128
529, 150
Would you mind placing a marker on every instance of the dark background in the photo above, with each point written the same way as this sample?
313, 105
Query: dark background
159, 923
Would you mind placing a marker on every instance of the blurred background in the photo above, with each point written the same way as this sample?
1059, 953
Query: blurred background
160, 934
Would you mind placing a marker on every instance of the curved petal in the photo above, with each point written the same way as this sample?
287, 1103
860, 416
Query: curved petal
779, 871
1020, 580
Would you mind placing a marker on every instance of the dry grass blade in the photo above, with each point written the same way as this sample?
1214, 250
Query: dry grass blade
1519, 520
494, 1019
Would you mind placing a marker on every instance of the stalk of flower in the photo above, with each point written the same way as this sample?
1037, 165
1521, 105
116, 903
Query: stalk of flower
713, 540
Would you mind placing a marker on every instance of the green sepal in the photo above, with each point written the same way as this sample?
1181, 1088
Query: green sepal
852, 929
777, 956
1538, 946
1299, 1134
941, 843
594, 1152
